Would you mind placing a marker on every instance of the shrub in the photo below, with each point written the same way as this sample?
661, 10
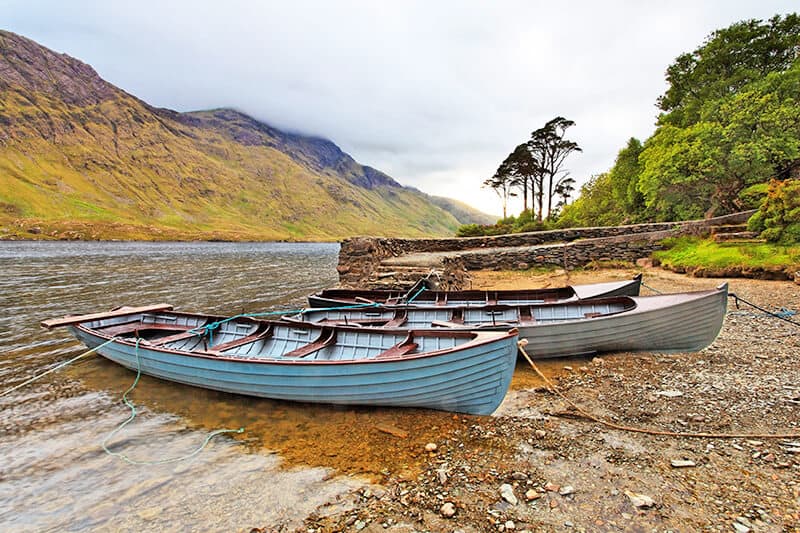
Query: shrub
780, 212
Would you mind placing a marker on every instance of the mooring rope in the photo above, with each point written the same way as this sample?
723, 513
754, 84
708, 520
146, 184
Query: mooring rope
57, 367
132, 407
586, 414
646, 286
783, 314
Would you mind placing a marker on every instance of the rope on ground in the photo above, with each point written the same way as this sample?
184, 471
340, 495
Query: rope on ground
783, 314
132, 407
420, 291
55, 368
646, 286
620, 427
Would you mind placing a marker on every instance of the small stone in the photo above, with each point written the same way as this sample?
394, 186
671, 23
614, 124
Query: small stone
442, 475
551, 487
510, 526
640, 500
553, 504
507, 493
519, 476
740, 528
532, 495
568, 368
680, 463
670, 393
626, 516
448, 510
431, 447
769, 457
567, 490
540, 433
744, 521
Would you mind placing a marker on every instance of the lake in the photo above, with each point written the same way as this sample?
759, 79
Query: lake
291, 458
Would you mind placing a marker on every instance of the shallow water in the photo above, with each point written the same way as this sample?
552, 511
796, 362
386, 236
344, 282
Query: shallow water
291, 457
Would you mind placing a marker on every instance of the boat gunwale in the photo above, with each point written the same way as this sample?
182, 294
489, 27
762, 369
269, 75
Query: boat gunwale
478, 338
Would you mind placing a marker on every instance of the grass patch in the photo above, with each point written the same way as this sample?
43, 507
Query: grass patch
693, 252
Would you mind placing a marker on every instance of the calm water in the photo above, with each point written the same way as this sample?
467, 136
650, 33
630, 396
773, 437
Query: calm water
291, 459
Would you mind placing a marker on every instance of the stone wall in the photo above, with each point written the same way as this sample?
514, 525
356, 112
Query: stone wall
361, 258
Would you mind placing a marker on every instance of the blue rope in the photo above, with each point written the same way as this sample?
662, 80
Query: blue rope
132, 407
417, 294
783, 314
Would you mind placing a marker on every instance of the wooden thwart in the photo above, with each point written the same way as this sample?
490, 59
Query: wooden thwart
76, 319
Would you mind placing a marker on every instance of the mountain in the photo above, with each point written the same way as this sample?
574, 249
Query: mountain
81, 158
465, 214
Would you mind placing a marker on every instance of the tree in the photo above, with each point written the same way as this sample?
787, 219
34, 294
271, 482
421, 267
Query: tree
743, 139
503, 183
550, 149
726, 62
594, 207
624, 176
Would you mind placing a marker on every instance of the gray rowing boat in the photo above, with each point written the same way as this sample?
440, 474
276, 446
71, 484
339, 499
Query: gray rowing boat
680, 322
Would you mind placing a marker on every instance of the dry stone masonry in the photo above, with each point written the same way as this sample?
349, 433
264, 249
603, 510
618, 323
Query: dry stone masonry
395, 263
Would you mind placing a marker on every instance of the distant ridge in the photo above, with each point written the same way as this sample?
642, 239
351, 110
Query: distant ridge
83, 159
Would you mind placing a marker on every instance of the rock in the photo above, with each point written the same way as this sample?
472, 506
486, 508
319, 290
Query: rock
507, 493
670, 393
532, 495
551, 487
540, 433
567, 490
680, 463
510, 526
644, 262
431, 447
392, 430
519, 476
448, 510
640, 500
442, 475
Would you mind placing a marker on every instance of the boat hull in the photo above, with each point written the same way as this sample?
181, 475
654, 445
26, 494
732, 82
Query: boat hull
472, 380
345, 297
664, 323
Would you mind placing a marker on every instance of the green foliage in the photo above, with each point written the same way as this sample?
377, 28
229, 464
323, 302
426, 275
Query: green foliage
756, 222
596, 206
693, 252
741, 140
727, 61
624, 176
753, 196
525, 222
780, 212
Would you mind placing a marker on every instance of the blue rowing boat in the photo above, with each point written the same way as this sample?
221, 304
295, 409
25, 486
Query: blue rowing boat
467, 372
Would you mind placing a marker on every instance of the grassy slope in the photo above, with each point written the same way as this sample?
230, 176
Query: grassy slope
689, 253
119, 170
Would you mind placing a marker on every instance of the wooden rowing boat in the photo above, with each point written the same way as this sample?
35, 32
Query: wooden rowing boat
460, 371
423, 294
677, 322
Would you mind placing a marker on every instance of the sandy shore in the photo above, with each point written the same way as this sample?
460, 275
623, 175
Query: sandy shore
536, 465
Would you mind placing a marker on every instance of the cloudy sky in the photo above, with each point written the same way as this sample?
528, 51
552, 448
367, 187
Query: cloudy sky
434, 93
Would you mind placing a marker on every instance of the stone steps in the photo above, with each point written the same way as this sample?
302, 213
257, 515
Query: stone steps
728, 228
738, 236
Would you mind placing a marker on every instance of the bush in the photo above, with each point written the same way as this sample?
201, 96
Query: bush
756, 222
753, 196
780, 212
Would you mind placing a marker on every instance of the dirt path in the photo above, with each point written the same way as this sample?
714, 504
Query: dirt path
535, 466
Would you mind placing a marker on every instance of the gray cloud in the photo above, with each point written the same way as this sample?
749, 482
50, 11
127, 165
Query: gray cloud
434, 93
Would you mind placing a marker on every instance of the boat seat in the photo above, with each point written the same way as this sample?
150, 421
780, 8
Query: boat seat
400, 318
326, 338
263, 330
399, 350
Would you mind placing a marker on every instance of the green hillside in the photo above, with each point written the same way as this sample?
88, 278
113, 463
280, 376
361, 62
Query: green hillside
80, 158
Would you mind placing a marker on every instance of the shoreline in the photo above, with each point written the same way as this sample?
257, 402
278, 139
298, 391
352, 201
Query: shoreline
537, 465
